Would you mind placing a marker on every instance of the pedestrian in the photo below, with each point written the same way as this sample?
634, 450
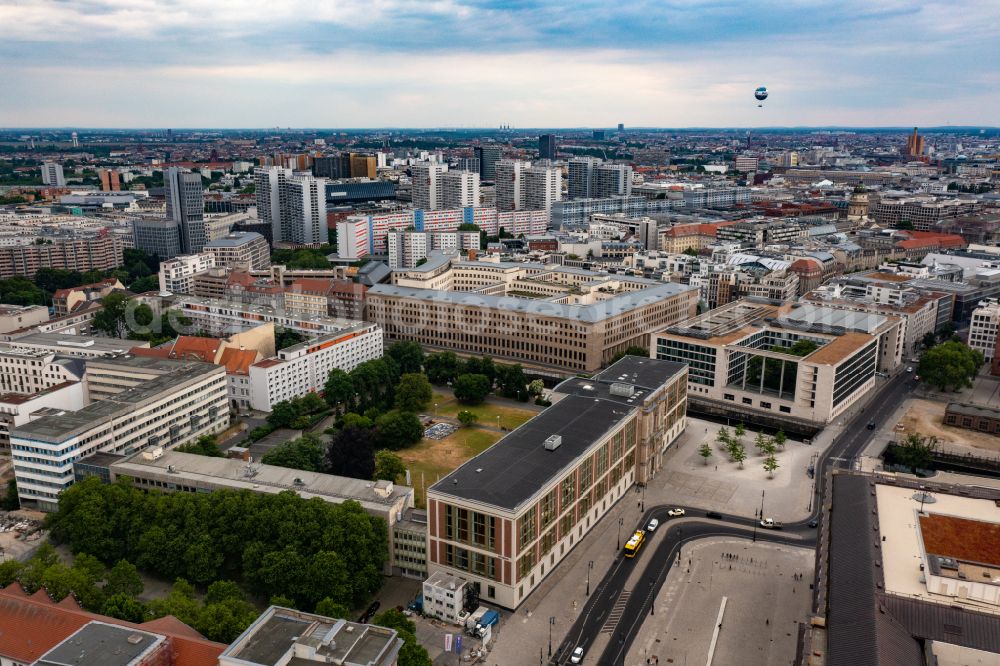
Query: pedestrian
768, 622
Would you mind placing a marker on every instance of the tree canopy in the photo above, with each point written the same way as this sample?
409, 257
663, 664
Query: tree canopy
950, 365
306, 550
471, 389
305, 453
413, 393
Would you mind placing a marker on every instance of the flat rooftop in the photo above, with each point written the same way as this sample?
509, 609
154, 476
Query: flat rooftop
591, 313
68, 424
78, 344
285, 637
227, 473
514, 469
100, 643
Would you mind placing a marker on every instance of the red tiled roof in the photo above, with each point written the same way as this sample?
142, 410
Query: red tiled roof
238, 361
311, 285
31, 626
269, 363
193, 346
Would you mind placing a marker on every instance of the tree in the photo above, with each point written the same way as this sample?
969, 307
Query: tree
536, 387
144, 284
413, 393
125, 607
737, 452
111, 319
471, 389
388, 466
398, 430
632, 350
929, 339
705, 451
950, 365
780, 438
412, 653
329, 608
283, 414
305, 453
691, 252
510, 380
203, 446
339, 389
356, 420
284, 338
770, 464
467, 418
761, 443
352, 453
915, 452
739, 431
724, 438
441, 368
10, 500
123, 579
409, 356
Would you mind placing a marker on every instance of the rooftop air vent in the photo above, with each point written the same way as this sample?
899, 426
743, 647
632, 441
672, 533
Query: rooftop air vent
552, 442
622, 389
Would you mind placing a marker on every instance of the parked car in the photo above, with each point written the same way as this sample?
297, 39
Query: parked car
871, 425
714, 515
909, 368
577, 657
674, 513
813, 523
653, 524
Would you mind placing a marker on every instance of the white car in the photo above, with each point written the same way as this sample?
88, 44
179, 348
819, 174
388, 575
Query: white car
577, 657
909, 369
674, 513
653, 524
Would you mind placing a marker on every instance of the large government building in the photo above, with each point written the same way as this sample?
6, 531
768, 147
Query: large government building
549, 318
506, 518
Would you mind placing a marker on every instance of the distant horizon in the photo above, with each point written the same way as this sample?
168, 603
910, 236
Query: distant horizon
461, 128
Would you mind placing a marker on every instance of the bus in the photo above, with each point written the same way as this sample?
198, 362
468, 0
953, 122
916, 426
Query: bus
633, 545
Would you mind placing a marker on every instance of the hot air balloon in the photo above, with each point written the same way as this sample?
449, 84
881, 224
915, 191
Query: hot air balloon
761, 94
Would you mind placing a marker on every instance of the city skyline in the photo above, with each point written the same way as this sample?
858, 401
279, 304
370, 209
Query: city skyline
531, 64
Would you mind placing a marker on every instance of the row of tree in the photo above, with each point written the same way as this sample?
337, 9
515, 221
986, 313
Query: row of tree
303, 550
732, 444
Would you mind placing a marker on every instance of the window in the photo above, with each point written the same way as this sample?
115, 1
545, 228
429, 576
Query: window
729, 396
765, 405
491, 592
747, 401
785, 409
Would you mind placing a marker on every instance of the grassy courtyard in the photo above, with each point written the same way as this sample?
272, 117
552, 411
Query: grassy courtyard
444, 404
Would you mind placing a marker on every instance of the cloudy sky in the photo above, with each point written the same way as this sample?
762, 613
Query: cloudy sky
480, 63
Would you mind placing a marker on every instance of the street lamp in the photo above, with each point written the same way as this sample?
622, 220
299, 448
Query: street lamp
621, 521
552, 621
498, 422
642, 502
590, 565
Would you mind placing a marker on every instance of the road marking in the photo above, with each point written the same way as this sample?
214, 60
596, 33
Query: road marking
616, 612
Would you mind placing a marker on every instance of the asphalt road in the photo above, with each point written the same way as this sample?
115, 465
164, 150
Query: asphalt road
656, 562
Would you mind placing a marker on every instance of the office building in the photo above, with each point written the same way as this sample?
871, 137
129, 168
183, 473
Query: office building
488, 157
161, 238
460, 189
303, 368
340, 193
547, 147
176, 274
746, 163
286, 637
27, 370
914, 144
427, 184
466, 164
581, 177
186, 207
52, 175
573, 321
984, 327
910, 572
241, 249
333, 166
17, 409
362, 166
924, 212
794, 367
110, 180
82, 252
502, 527
600, 135
171, 409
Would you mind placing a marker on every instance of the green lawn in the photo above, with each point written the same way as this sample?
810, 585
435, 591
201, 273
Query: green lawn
510, 417
432, 459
